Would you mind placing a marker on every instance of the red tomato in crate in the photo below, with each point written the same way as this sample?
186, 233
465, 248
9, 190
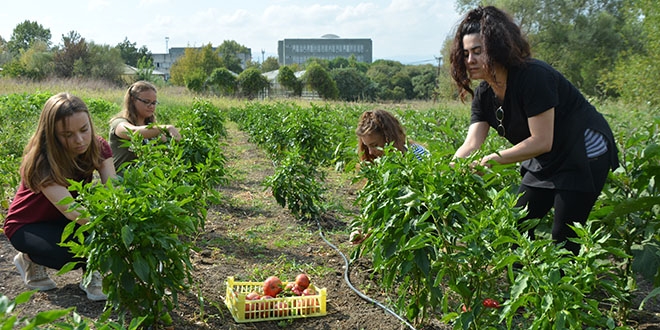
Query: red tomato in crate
297, 290
302, 280
251, 309
307, 306
280, 309
309, 292
266, 307
272, 286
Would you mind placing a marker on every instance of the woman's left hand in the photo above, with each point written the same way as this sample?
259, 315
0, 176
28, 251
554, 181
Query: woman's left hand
486, 161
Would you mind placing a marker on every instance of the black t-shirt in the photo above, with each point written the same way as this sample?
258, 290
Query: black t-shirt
534, 89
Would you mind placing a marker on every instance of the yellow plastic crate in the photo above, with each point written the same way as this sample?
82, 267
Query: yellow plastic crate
271, 309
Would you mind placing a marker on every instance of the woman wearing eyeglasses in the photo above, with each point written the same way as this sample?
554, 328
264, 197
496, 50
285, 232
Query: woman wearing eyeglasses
565, 147
138, 115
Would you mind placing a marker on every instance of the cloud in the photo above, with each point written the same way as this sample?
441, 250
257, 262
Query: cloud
98, 5
397, 27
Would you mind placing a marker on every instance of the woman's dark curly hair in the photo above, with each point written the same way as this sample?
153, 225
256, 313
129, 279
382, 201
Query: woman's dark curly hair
503, 43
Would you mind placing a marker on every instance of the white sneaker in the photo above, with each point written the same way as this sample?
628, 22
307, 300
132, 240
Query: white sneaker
93, 287
34, 276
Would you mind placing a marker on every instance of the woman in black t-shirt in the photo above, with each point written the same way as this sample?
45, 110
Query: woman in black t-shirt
565, 147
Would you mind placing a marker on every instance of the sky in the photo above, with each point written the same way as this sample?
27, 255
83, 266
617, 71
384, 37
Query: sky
409, 31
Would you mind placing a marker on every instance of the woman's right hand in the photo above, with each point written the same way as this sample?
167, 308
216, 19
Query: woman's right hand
172, 132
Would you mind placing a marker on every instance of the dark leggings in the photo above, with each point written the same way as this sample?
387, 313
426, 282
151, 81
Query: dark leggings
570, 206
40, 241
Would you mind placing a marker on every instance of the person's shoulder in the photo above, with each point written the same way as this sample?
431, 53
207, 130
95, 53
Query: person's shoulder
117, 120
102, 141
534, 66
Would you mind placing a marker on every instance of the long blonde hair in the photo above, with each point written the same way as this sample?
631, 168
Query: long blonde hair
45, 159
129, 112
383, 123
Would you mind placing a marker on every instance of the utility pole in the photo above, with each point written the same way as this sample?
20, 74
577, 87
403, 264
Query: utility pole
167, 49
262, 56
435, 90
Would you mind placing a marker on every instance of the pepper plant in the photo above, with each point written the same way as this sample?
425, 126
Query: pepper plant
142, 225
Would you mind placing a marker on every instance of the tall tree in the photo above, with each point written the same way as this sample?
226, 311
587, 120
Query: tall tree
636, 74
130, 53
270, 64
223, 81
104, 62
353, 85
5, 55
73, 48
423, 79
287, 78
229, 51
195, 63
318, 79
26, 34
383, 73
36, 61
251, 82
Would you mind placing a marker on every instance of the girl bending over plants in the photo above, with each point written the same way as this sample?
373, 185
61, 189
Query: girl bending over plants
64, 147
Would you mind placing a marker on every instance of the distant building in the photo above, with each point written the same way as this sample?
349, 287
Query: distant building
328, 47
130, 73
277, 91
163, 62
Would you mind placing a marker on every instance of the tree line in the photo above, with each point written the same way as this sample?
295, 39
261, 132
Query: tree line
607, 48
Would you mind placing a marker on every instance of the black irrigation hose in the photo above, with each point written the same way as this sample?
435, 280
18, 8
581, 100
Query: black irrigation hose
348, 281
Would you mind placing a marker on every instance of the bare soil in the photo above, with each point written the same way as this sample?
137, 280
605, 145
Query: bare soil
247, 205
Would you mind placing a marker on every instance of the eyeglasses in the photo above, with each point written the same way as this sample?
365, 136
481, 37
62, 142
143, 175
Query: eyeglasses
154, 103
499, 115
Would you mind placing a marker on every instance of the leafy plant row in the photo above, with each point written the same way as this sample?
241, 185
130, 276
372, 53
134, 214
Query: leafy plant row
300, 141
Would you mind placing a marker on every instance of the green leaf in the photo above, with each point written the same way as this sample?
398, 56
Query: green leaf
127, 236
141, 268
633, 205
519, 287
47, 317
24, 297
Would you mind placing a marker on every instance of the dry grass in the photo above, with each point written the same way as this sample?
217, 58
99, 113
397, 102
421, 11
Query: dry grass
178, 95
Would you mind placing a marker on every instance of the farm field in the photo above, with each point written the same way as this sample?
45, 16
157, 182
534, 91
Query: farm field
249, 235
243, 236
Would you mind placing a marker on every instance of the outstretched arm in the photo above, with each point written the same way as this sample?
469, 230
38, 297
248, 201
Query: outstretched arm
539, 142
477, 133
146, 131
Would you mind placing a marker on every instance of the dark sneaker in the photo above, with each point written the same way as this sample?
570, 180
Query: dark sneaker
34, 276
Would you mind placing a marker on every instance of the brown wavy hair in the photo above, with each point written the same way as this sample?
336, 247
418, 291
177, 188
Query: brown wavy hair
128, 108
45, 160
503, 43
380, 122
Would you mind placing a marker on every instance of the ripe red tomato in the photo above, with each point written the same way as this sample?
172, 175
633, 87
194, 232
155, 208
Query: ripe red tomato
307, 306
251, 309
252, 296
302, 280
272, 286
491, 303
297, 290
309, 292
280, 309
266, 307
